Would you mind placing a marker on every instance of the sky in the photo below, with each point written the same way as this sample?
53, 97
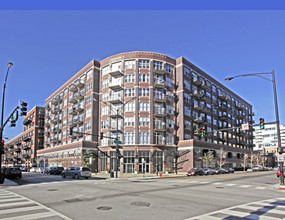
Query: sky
47, 47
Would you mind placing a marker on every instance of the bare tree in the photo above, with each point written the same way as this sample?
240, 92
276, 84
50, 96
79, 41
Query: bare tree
257, 159
245, 158
222, 158
207, 158
251, 159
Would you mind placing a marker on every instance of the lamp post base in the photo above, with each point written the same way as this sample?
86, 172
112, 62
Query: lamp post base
2, 178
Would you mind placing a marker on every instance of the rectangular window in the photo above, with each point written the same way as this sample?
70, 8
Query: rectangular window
130, 64
129, 78
104, 124
129, 121
144, 138
105, 110
89, 74
169, 82
143, 77
105, 83
187, 84
88, 99
187, 125
187, 72
143, 92
169, 123
157, 65
89, 86
129, 138
129, 92
170, 139
170, 109
143, 63
187, 111
143, 106
88, 113
88, 126
169, 68
130, 107
144, 121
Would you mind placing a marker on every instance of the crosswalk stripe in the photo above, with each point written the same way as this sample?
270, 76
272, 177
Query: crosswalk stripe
20, 207
260, 187
244, 186
231, 184
6, 211
217, 183
204, 182
32, 216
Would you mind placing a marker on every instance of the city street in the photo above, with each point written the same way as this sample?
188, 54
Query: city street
219, 196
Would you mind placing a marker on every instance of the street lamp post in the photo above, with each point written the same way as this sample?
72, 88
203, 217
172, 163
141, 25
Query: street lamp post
2, 115
276, 111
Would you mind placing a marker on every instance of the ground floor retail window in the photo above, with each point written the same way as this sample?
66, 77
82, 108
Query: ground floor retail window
129, 161
113, 162
157, 159
144, 161
103, 162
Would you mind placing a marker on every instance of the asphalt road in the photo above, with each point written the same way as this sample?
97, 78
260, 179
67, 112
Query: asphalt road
150, 198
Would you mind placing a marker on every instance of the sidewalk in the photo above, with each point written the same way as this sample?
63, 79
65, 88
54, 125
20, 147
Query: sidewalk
8, 182
139, 176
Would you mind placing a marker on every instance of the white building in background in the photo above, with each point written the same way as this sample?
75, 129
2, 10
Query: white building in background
265, 140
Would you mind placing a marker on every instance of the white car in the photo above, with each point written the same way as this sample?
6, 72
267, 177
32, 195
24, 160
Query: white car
33, 170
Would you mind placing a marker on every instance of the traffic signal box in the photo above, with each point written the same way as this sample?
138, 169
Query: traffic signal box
23, 108
2, 147
70, 131
281, 150
261, 123
202, 132
101, 135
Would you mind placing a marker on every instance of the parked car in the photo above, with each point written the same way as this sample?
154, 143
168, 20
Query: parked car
230, 170
24, 169
46, 170
12, 172
256, 168
278, 173
220, 171
56, 170
276, 168
33, 170
40, 170
195, 172
3, 169
76, 172
209, 171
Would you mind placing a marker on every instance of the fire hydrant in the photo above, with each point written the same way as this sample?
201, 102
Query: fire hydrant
160, 175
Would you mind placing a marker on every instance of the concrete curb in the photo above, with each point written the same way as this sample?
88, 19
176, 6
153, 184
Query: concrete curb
7, 183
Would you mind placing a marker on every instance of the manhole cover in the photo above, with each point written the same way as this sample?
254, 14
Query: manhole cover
104, 208
142, 204
218, 187
52, 189
175, 185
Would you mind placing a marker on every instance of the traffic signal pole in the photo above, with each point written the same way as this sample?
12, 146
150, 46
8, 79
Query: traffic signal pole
278, 128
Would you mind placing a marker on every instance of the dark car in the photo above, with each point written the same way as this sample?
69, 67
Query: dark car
46, 170
12, 172
55, 170
230, 170
209, 171
195, 172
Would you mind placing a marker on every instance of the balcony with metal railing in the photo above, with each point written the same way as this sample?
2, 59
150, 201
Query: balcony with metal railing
26, 138
198, 81
159, 71
159, 98
159, 112
199, 119
79, 83
204, 85
115, 99
159, 126
26, 147
199, 107
72, 111
159, 83
73, 88
116, 72
27, 121
114, 113
198, 94
116, 84
113, 127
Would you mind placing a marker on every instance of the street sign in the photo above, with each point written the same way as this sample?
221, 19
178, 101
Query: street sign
280, 158
245, 127
117, 142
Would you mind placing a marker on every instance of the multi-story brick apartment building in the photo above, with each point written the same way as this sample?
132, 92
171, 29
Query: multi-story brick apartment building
71, 105
155, 105
21, 150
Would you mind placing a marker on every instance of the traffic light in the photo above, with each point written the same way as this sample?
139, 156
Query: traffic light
2, 147
71, 131
261, 123
23, 108
202, 132
118, 154
281, 149
12, 123
101, 135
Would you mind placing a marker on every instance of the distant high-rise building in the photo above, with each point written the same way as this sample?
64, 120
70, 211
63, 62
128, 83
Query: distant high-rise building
265, 140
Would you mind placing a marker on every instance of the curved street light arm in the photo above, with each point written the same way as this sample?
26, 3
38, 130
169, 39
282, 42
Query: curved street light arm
251, 74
